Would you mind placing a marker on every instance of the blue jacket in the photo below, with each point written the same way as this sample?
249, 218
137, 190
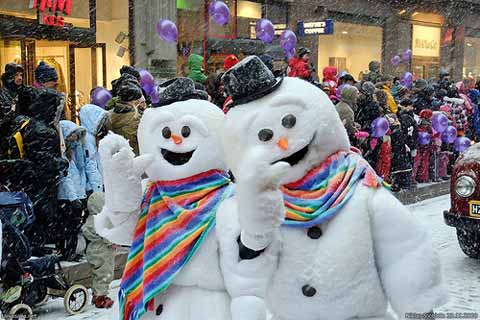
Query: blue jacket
73, 186
92, 118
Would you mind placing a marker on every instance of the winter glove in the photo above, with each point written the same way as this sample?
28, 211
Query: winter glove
122, 173
77, 205
260, 201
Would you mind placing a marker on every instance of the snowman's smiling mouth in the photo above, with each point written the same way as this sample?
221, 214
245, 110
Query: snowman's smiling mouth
176, 158
298, 156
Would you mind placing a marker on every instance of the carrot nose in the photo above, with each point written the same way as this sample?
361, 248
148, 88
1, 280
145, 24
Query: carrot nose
176, 139
283, 144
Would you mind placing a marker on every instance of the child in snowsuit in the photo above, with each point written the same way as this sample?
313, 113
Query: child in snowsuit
422, 160
100, 254
71, 191
401, 166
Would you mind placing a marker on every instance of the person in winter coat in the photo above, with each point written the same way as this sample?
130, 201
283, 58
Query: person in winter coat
299, 66
41, 146
421, 165
72, 193
346, 109
368, 108
124, 70
423, 97
374, 74
100, 254
12, 81
409, 128
124, 116
330, 80
97, 123
195, 65
401, 169
386, 86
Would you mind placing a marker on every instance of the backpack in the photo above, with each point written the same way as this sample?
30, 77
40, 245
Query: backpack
15, 140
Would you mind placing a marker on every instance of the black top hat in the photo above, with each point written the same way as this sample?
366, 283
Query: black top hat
179, 89
249, 80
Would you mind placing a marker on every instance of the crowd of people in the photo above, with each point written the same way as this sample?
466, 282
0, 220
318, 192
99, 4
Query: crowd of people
56, 163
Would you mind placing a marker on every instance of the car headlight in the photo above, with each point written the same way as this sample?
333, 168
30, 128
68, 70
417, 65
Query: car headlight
465, 186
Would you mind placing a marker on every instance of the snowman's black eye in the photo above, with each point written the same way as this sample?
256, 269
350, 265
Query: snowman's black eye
186, 131
166, 133
265, 135
289, 121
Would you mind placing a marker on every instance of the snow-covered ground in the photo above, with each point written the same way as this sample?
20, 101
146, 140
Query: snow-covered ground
462, 275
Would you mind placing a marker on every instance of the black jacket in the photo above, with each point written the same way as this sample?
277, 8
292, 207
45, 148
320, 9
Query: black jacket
400, 156
409, 129
367, 111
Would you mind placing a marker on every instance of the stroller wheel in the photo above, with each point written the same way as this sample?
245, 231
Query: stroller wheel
20, 311
76, 299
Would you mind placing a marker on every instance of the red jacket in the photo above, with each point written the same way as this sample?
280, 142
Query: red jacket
299, 68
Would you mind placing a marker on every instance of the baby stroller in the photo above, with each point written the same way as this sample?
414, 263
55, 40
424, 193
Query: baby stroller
26, 281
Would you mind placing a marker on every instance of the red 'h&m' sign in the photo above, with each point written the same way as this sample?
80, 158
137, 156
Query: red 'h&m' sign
54, 5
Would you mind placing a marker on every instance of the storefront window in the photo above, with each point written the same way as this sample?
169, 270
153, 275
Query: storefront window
55, 53
10, 51
471, 65
350, 48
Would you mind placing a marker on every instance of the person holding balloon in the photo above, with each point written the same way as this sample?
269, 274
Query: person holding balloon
409, 128
299, 66
401, 170
421, 166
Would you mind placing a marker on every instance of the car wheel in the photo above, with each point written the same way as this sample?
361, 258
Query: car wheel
469, 243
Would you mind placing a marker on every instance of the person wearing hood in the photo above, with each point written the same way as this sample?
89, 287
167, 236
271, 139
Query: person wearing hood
124, 115
330, 80
71, 191
97, 122
374, 74
229, 62
299, 66
386, 86
346, 109
368, 108
12, 81
423, 97
42, 147
195, 65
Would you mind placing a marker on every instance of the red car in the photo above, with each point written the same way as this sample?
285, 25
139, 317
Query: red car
464, 214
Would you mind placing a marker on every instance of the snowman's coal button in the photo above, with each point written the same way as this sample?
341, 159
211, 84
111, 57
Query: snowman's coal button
308, 291
159, 310
314, 232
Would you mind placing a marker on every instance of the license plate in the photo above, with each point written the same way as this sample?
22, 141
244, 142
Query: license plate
474, 209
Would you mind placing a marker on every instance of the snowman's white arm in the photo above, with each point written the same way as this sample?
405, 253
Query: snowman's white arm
117, 227
245, 280
408, 266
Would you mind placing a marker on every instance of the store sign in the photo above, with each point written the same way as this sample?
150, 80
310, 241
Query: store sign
54, 7
315, 28
426, 41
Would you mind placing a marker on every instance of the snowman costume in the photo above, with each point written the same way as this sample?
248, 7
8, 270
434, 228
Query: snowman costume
362, 251
180, 150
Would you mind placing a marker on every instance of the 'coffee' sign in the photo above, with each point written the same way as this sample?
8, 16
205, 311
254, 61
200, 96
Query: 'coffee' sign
54, 7
315, 28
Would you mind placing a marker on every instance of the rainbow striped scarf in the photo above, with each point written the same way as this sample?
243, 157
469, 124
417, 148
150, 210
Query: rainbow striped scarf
321, 194
175, 219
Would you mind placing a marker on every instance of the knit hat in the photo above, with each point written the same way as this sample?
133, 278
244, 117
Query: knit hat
230, 61
303, 51
426, 114
420, 84
374, 66
45, 73
348, 93
129, 91
368, 88
130, 70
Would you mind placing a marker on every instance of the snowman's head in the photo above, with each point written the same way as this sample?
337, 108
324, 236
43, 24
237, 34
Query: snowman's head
297, 124
183, 137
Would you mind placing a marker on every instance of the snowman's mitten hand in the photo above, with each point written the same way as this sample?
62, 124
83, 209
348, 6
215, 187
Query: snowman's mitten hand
260, 201
121, 174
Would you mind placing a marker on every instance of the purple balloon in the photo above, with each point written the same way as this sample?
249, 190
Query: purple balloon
289, 53
407, 80
146, 78
154, 95
462, 144
439, 122
396, 60
265, 30
449, 135
407, 55
100, 97
149, 88
424, 138
219, 12
339, 91
288, 40
380, 127
167, 30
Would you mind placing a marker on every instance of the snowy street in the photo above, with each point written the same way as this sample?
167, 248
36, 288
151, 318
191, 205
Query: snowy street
462, 275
